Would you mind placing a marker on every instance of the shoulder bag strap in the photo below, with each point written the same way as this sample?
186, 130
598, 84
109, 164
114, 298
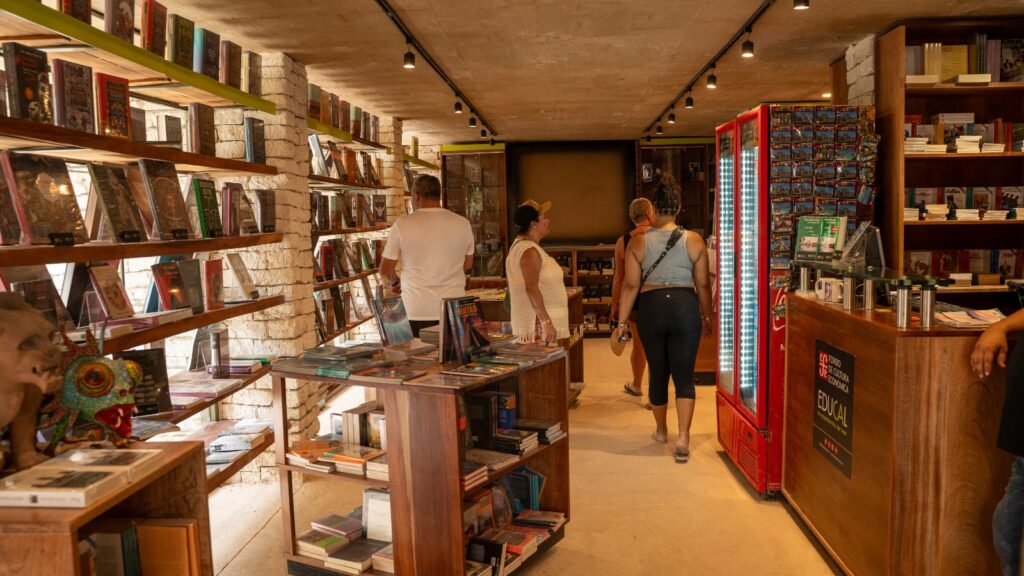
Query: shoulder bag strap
676, 235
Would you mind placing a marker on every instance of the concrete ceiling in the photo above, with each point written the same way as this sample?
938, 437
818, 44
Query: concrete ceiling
563, 69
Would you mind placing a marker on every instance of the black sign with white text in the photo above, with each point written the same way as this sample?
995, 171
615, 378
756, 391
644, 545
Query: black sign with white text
833, 405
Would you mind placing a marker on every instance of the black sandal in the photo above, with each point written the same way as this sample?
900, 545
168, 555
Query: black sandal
629, 390
680, 456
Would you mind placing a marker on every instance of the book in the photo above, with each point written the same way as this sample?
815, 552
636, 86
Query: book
377, 514
480, 370
252, 75
152, 319
133, 463
153, 394
52, 487
106, 282
241, 273
72, 96
355, 558
154, 27
230, 64
468, 327
170, 217
213, 284
44, 199
202, 129
255, 141
191, 276
117, 202
237, 442
380, 208
181, 34
833, 236
28, 94
138, 124
351, 453
206, 53
1012, 67
438, 380
78, 9
113, 117
247, 223
392, 320
318, 164
266, 210
170, 286
387, 375
205, 194
313, 99
954, 61
42, 295
319, 544
336, 162
10, 228
119, 19
488, 552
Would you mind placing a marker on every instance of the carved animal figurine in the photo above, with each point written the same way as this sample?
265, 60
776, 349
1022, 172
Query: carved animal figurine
29, 360
95, 389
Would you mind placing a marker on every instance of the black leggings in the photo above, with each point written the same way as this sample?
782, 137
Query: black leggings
669, 324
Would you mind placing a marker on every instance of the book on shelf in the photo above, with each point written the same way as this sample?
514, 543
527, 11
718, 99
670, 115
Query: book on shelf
247, 223
153, 394
44, 199
53, 487
204, 193
72, 96
10, 228
318, 544
383, 560
241, 274
154, 27
117, 202
146, 320
113, 116
335, 162
266, 210
231, 208
133, 463
922, 79
230, 65
355, 558
493, 459
377, 514
28, 93
488, 552
252, 75
180, 40
106, 282
202, 129
237, 442
213, 284
119, 19
170, 286
113, 545
100, 333
146, 428
170, 217
318, 163
78, 9
347, 526
206, 53
313, 101
192, 278
255, 141
377, 468
1012, 57
169, 546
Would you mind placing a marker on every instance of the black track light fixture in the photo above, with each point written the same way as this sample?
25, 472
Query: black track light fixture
801, 4
492, 141
472, 121
458, 107
672, 114
748, 47
409, 61
688, 102
647, 138
483, 133
657, 130
712, 79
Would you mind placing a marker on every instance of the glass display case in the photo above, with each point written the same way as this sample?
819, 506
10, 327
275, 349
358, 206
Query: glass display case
474, 186
726, 272
689, 165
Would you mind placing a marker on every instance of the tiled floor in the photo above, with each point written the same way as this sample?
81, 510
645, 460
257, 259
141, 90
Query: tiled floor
634, 510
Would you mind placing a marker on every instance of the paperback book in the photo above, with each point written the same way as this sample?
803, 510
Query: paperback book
112, 106
241, 273
154, 27
72, 96
202, 130
207, 210
117, 202
206, 53
44, 199
181, 32
170, 217
170, 286
191, 276
53, 487
213, 283
106, 282
266, 210
392, 320
119, 19
27, 75
255, 141
153, 394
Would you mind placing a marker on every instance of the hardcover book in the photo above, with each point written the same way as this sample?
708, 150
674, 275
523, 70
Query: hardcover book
132, 462
313, 107
10, 229
317, 163
170, 217
169, 129
380, 208
119, 19
352, 167
42, 295
170, 286
27, 75
117, 202
255, 141
205, 194
202, 129
154, 27
138, 124
44, 487
72, 96
112, 106
206, 53
336, 163
247, 216
106, 282
192, 278
43, 199
266, 210
392, 320
252, 75
230, 64
153, 394
1012, 68
79, 9
231, 208
181, 34
237, 266
345, 115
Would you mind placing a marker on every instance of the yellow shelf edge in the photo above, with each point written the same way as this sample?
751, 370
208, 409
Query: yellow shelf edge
422, 163
472, 147
327, 129
37, 13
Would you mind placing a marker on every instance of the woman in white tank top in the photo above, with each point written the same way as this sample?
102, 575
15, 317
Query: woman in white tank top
539, 305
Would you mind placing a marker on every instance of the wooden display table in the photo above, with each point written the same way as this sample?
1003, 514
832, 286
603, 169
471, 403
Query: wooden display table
424, 458
924, 471
44, 541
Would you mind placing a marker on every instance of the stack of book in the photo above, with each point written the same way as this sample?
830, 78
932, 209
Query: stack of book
242, 437
473, 475
377, 468
967, 144
993, 147
319, 545
350, 527
961, 278
490, 458
548, 431
363, 425
307, 453
384, 559
935, 211
355, 558
515, 441
968, 214
349, 458
916, 145
911, 214
518, 546
995, 214
540, 518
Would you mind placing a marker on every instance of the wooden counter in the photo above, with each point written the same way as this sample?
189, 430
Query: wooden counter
925, 473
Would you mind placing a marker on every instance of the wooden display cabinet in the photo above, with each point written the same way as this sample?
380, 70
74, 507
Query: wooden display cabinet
424, 455
691, 166
474, 185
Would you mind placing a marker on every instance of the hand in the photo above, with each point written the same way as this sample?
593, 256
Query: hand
615, 309
706, 325
396, 286
991, 343
549, 334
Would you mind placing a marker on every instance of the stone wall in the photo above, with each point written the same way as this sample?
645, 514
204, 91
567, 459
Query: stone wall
860, 72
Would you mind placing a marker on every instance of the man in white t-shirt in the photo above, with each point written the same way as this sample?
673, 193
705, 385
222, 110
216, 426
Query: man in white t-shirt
435, 247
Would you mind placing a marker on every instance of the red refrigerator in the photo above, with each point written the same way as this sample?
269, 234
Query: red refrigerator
751, 314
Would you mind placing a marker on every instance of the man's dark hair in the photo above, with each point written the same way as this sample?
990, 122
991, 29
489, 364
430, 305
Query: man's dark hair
427, 186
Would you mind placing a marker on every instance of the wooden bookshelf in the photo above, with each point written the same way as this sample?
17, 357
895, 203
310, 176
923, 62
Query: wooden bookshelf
342, 136
140, 337
424, 463
73, 145
176, 416
965, 89
99, 251
150, 74
344, 329
964, 157
36, 541
328, 284
346, 231
215, 480
363, 480
327, 183
319, 564
971, 223
421, 163
495, 475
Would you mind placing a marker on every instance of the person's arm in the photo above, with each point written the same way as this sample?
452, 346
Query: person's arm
387, 274
698, 254
530, 263
620, 254
992, 344
389, 260
467, 265
630, 280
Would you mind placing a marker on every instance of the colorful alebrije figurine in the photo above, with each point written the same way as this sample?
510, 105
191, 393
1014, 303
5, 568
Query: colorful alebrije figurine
95, 390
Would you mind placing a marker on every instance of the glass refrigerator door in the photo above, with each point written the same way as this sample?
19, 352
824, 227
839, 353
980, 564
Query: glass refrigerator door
725, 230
748, 357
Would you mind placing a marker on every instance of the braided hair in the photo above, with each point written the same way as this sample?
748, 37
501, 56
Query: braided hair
667, 199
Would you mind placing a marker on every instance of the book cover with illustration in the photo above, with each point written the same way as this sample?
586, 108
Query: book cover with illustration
170, 217
72, 96
112, 106
43, 199
117, 202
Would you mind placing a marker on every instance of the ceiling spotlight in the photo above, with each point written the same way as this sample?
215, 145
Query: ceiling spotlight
689, 102
492, 141
472, 121
671, 117
647, 138
657, 130
483, 133
712, 79
748, 48
801, 4
458, 107
410, 58
826, 95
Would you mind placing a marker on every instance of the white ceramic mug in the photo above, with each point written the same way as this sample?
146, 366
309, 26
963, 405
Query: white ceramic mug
829, 289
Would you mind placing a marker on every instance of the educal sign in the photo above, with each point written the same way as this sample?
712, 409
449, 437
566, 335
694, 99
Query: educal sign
833, 405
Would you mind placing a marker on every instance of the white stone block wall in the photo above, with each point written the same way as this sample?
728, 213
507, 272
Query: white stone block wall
860, 72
